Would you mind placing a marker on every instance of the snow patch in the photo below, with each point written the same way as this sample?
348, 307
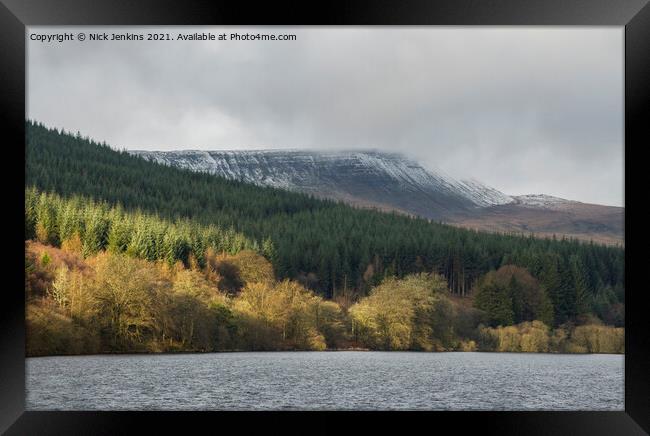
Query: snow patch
542, 201
296, 169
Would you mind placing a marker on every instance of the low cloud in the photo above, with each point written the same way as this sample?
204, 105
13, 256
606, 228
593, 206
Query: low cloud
526, 110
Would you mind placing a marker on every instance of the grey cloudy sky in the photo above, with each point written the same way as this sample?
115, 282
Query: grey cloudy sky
525, 110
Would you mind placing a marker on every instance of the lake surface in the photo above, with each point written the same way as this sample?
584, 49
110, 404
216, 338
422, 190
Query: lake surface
326, 380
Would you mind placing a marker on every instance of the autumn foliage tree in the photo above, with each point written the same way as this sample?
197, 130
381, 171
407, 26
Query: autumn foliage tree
400, 314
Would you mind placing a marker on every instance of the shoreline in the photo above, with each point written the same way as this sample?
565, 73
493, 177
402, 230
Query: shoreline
149, 353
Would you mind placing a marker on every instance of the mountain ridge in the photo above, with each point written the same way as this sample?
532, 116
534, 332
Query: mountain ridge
392, 181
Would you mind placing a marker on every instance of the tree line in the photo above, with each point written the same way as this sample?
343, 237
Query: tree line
111, 302
94, 226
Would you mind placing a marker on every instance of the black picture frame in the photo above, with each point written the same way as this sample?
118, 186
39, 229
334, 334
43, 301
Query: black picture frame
15, 15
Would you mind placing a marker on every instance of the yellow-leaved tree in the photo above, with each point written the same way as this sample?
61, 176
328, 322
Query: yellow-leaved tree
400, 314
284, 315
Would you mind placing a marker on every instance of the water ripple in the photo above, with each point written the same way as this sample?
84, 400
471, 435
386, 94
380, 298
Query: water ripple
326, 380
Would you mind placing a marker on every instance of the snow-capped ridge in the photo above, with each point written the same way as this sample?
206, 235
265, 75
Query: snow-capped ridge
542, 201
310, 169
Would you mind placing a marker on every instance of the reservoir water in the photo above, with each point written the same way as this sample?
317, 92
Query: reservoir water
326, 381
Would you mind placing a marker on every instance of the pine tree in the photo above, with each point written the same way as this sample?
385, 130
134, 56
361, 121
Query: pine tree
582, 296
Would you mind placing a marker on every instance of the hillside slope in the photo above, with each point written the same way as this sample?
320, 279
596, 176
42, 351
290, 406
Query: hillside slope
369, 178
392, 182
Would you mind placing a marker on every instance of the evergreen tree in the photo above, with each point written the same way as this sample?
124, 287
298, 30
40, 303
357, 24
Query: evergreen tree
579, 277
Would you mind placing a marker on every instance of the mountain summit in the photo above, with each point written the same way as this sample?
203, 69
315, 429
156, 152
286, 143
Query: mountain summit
392, 182
371, 178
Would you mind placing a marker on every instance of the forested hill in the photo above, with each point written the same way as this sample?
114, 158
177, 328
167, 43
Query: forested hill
329, 246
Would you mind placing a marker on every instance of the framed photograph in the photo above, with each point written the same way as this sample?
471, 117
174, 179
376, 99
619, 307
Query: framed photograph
367, 216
